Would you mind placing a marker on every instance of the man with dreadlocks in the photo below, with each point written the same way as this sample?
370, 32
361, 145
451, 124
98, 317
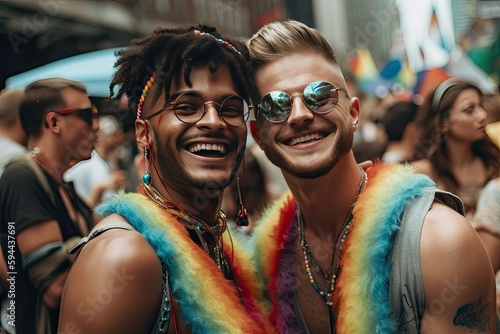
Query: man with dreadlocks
162, 260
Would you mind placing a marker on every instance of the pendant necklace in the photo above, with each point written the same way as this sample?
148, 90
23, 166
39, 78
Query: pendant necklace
330, 275
195, 224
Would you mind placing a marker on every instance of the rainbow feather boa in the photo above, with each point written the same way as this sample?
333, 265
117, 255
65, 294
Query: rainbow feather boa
208, 302
361, 299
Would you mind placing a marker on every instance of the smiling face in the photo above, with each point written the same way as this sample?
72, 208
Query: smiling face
205, 154
306, 144
467, 119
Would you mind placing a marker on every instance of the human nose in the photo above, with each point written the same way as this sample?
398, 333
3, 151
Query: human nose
481, 114
211, 117
95, 124
299, 112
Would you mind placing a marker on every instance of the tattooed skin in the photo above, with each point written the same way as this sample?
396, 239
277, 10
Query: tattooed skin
473, 316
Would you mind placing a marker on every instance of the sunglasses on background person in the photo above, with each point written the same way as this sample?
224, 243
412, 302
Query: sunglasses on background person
87, 114
189, 108
320, 97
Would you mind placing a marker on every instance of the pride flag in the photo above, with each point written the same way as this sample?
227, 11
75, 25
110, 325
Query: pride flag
364, 70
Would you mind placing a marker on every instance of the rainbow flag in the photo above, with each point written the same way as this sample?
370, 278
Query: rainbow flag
365, 71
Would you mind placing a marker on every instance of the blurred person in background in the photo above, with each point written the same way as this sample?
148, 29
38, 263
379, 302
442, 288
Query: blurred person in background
38, 208
453, 148
369, 143
103, 174
487, 217
178, 269
13, 141
400, 131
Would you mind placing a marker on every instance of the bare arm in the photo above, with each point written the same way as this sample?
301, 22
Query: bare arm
115, 286
35, 236
492, 243
458, 277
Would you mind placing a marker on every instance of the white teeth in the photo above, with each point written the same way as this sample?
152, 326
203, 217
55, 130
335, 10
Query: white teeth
207, 147
303, 139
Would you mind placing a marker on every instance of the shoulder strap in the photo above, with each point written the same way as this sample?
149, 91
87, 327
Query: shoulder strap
25, 160
98, 231
451, 200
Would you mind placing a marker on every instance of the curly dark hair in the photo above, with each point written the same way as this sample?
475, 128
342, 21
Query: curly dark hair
167, 51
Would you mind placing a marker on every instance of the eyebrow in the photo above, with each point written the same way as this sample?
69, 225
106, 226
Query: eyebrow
199, 94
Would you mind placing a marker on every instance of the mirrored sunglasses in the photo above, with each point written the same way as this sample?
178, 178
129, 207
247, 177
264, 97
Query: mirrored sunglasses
87, 114
189, 108
320, 97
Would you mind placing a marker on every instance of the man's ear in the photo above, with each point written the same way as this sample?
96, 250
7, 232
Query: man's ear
142, 133
354, 110
254, 128
52, 122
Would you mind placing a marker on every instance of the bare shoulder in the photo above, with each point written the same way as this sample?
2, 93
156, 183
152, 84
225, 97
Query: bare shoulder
113, 273
458, 277
447, 226
117, 248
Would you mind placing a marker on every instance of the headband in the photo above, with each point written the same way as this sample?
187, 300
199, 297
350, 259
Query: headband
439, 92
147, 86
221, 41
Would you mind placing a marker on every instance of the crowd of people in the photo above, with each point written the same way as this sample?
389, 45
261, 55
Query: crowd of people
199, 237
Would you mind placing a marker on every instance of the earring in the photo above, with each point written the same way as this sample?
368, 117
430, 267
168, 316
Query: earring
146, 178
354, 126
242, 217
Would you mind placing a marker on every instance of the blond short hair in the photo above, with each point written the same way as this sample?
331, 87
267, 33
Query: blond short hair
281, 38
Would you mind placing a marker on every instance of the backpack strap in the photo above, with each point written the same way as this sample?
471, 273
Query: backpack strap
26, 161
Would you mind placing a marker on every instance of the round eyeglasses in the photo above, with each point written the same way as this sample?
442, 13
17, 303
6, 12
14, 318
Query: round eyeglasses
320, 97
189, 108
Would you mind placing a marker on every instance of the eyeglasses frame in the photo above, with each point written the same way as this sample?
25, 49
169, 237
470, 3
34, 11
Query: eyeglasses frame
219, 105
301, 93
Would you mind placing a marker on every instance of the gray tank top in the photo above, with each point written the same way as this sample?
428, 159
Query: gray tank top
406, 288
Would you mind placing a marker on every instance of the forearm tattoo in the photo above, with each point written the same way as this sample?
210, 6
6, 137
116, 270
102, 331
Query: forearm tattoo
475, 316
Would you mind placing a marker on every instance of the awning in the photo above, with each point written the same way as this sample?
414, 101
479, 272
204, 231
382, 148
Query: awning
93, 69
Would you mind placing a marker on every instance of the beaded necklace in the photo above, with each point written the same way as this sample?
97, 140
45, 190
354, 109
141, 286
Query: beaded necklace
330, 274
195, 224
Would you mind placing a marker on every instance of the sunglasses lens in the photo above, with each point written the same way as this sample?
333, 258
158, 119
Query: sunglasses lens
321, 96
85, 114
276, 106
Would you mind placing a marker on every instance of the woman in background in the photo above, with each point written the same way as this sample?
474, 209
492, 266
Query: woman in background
487, 217
454, 150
